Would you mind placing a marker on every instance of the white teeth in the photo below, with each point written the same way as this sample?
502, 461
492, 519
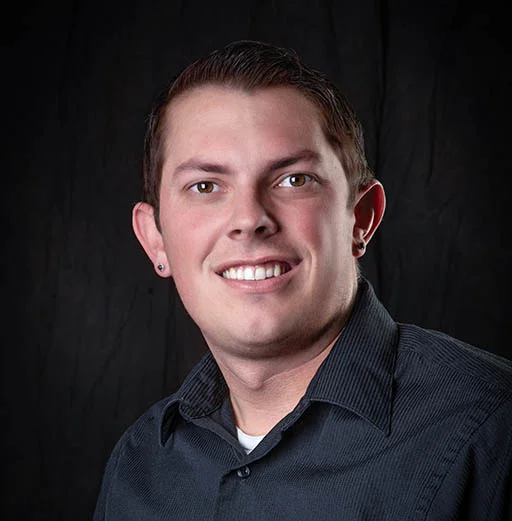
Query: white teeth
254, 272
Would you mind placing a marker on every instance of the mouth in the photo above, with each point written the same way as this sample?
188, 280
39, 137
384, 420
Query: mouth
262, 271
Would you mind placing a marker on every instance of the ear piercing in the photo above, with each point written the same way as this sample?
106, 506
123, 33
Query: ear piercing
160, 267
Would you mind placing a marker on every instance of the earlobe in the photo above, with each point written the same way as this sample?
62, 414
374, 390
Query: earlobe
368, 212
150, 238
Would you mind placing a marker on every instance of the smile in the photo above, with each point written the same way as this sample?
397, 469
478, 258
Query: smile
258, 272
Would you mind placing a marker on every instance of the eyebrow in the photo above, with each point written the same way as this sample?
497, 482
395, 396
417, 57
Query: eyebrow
276, 164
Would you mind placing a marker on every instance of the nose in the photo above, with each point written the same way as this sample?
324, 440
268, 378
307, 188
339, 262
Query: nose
251, 216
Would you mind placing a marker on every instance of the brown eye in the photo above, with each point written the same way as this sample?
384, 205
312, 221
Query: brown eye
204, 187
296, 180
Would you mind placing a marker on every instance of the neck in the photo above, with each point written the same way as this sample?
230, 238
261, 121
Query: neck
262, 393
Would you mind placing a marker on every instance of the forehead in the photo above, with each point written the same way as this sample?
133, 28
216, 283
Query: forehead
211, 96
219, 117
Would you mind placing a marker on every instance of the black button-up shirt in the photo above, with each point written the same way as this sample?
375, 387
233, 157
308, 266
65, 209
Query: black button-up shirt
399, 423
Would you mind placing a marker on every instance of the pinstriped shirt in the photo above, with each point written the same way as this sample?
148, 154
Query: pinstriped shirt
399, 423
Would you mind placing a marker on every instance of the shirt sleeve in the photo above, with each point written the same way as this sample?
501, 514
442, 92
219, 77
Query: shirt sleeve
478, 483
100, 513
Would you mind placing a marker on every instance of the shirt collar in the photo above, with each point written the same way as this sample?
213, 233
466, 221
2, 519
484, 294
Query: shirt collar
357, 374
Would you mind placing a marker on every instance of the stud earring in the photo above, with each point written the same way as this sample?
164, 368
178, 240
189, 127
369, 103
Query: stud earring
160, 267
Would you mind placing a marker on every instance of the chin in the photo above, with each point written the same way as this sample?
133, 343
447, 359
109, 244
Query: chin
258, 342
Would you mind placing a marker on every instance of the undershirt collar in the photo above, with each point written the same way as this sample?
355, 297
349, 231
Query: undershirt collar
247, 441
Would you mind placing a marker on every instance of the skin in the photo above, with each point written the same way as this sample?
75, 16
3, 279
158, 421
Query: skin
249, 179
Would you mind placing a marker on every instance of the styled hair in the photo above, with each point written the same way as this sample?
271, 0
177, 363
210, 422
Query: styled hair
250, 65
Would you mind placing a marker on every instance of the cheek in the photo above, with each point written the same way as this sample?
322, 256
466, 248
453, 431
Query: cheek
324, 228
188, 236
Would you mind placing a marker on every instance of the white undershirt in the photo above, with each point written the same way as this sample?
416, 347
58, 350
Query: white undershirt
247, 441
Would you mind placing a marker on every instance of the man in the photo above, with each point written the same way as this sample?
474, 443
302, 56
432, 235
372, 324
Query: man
312, 403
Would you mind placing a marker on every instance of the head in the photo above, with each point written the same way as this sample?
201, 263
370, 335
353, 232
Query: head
249, 66
257, 199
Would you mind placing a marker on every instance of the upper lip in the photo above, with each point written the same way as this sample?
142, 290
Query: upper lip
256, 262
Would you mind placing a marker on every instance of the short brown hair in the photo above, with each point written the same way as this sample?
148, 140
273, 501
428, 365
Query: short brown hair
250, 65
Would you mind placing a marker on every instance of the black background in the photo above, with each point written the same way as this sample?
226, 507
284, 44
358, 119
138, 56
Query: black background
92, 336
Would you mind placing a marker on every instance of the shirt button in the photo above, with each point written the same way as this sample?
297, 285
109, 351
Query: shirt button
243, 472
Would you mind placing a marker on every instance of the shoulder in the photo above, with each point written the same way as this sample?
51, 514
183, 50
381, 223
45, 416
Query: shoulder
434, 351
460, 398
138, 444
442, 381
146, 430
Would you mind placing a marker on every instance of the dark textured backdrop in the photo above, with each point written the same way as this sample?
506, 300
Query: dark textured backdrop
96, 336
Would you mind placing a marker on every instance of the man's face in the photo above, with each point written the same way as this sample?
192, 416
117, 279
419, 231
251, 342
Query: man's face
255, 220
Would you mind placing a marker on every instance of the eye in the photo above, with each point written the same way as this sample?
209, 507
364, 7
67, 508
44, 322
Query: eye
205, 187
296, 180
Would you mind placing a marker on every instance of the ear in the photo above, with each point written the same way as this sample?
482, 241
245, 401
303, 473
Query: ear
144, 226
368, 211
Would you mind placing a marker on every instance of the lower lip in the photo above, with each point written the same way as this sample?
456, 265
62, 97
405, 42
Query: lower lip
261, 286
